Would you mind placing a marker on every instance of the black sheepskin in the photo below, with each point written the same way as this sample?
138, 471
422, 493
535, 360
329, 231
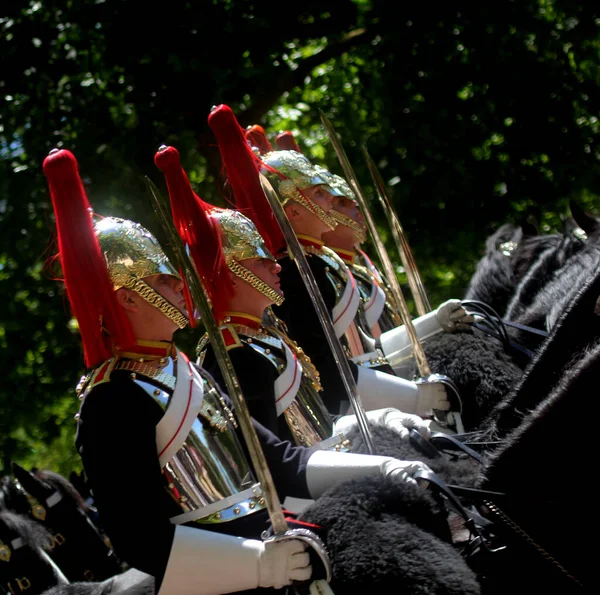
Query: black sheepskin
480, 368
391, 537
132, 582
460, 471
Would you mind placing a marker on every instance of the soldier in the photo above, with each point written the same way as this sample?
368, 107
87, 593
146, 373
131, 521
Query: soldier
381, 314
280, 383
157, 437
307, 202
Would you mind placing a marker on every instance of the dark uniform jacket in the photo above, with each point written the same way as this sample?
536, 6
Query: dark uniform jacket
116, 439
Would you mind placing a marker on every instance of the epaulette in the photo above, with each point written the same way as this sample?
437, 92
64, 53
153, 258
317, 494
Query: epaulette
362, 272
334, 262
95, 377
230, 336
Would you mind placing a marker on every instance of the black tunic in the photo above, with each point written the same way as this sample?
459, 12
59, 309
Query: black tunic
116, 439
300, 316
257, 378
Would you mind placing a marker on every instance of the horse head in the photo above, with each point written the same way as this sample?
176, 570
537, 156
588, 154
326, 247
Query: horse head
78, 548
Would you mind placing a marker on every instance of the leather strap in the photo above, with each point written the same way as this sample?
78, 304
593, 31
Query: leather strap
445, 441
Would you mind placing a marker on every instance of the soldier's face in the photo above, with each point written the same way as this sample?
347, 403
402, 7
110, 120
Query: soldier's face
266, 270
170, 288
349, 208
321, 196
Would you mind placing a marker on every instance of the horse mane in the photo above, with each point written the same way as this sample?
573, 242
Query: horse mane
577, 327
541, 268
63, 485
32, 533
555, 295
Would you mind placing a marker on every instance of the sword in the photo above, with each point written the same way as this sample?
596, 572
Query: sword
297, 255
412, 272
199, 296
451, 418
386, 263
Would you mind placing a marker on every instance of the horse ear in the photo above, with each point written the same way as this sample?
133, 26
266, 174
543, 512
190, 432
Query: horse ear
588, 223
30, 483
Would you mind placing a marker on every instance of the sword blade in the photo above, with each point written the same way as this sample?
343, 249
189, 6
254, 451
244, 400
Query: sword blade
386, 263
412, 272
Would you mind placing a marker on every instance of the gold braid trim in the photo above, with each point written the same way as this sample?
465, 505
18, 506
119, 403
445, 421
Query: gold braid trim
246, 275
308, 367
158, 301
360, 231
288, 190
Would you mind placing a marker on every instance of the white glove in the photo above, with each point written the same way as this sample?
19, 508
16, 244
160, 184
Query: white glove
282, 562
432, 395
453, 317
403, 423
404, 470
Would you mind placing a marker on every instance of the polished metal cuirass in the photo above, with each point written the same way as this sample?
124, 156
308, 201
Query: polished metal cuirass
355, 340
209, 476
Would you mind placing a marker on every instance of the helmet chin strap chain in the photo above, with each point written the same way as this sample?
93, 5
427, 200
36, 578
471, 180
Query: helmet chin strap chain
158, 301
249, 277
360, 230
289, 191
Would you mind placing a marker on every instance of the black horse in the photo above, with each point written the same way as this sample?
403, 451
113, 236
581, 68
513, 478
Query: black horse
546, 515
24, 565
78, 548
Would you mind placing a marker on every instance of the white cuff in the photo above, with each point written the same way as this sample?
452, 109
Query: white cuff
207, 563
327, 468
396, 345
378, 390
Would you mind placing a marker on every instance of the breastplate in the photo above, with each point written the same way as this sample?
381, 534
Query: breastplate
209, 475
301, 405
354, 338
389, 317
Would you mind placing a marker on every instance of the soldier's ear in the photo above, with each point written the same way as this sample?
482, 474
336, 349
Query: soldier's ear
127, 299
292, 211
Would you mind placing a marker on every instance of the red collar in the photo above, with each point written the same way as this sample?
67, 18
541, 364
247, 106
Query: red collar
309, 241
347, 256
148, 350
242, 318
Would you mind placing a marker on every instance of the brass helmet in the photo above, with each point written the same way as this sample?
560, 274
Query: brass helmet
131, 252
291, 172
103, 323
339, 187
240, 240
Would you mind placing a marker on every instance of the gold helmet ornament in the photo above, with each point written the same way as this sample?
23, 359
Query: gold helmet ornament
102, 322
340, 188
290, 173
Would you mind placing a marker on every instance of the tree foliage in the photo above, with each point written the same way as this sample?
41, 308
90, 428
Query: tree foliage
475, 113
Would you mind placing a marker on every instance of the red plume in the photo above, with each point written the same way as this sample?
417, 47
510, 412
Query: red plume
242, 168
89, 288
257, 137
196, 229
286, 142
